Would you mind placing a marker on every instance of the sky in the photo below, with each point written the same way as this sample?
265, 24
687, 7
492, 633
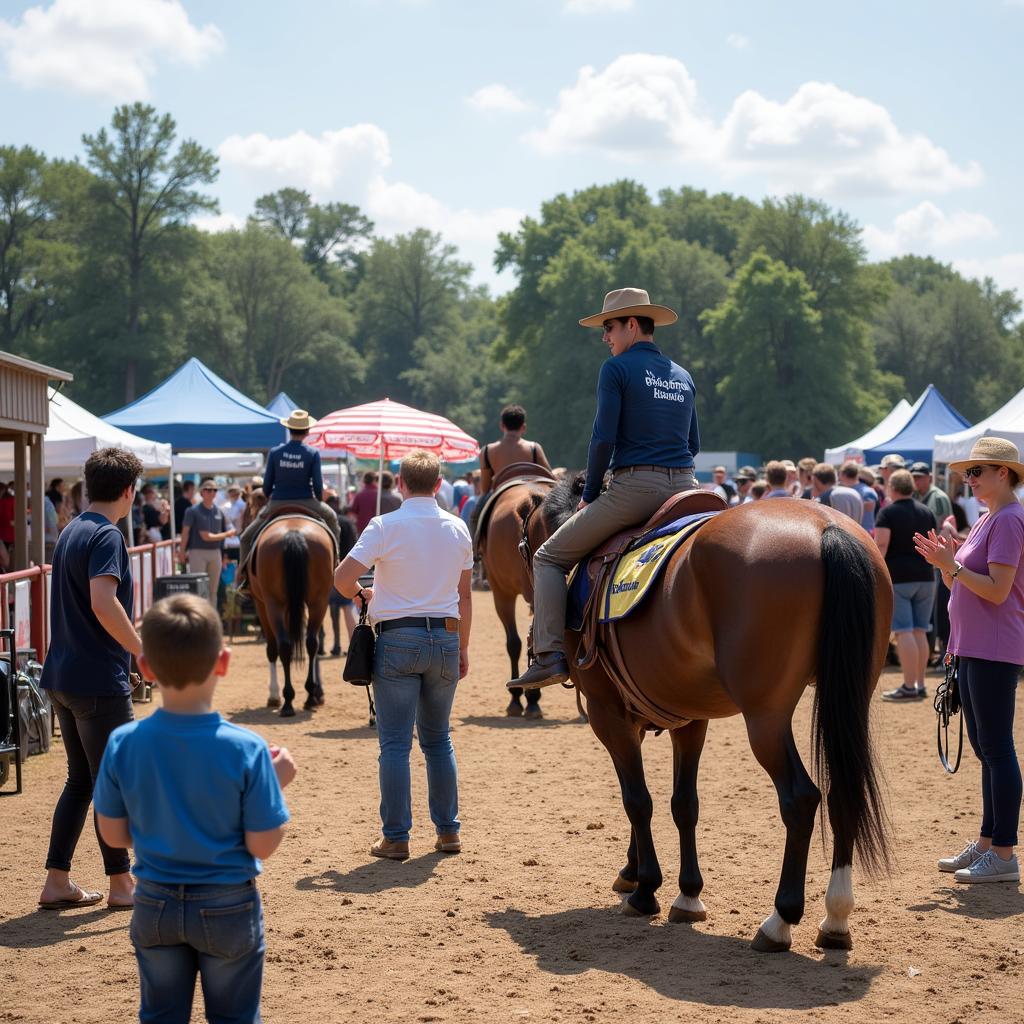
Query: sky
463, 116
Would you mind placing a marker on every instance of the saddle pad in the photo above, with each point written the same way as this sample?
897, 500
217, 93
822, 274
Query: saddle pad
641, 564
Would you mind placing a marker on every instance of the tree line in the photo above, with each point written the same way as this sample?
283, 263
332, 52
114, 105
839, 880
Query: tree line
794, 339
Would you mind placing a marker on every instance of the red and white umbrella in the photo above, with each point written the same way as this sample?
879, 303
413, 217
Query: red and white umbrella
389, 430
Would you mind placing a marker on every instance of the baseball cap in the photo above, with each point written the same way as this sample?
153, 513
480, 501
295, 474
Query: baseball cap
745, 473
895, 461
920, 469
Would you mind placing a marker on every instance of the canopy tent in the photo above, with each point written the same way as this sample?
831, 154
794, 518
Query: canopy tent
931, 415
194, 410
282, 406
220, 463
389, 430
75, 433
893, 423
1007, 422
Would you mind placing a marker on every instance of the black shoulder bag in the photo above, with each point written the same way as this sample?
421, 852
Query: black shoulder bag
948, 704
359, 661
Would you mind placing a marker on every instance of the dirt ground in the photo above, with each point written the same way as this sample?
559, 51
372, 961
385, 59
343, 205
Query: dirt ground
524, 925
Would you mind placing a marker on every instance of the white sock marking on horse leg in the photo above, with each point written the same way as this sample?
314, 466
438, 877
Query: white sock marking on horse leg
691, 904
275, 690
838, 901
777, 929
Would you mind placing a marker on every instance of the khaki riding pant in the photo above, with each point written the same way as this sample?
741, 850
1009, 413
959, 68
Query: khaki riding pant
318, 509
633, 497
208, 560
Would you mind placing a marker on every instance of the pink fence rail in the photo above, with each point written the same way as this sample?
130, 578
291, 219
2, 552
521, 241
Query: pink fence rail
25, 595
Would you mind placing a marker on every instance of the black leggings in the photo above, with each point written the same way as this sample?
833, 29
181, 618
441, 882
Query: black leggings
988, 689
85, 726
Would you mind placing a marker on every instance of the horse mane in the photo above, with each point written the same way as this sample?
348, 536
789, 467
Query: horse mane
561, 501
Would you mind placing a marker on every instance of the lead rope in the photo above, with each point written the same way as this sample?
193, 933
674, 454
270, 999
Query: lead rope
947, 704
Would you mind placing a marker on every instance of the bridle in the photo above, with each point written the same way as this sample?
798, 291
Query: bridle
524, 541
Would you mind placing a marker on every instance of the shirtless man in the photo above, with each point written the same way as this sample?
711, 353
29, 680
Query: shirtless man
512, 447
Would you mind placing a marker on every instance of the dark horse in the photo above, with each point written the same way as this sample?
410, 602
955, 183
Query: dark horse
291, 573
508, 575
765, 599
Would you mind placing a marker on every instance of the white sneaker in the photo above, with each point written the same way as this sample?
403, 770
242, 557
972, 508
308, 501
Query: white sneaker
964, 859
990, 867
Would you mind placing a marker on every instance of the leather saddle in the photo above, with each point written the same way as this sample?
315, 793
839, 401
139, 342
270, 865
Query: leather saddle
292, 512
512, 475
526, 470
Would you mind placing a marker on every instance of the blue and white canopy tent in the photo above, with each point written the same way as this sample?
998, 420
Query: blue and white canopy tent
282, 406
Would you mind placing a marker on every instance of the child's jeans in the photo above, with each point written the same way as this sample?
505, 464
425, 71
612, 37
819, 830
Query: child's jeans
216, 930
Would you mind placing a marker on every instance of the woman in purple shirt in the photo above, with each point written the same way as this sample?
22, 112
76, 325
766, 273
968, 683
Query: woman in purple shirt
985, 575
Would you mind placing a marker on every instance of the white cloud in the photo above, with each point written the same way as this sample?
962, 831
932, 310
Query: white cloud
926, 228
597, 6
1006, 270
736, 41
497, 98
212, 222
106, 48
822, 138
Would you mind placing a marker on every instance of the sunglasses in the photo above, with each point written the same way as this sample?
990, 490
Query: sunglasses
208, 490
976, 471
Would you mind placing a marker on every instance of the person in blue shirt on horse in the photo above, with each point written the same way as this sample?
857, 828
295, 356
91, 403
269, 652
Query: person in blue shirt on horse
646, 432
292, 477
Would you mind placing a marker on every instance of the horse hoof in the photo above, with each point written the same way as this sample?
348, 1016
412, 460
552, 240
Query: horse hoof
514, 709
623, 885
319, 698
533, 711
763, 944
273, 702
833, 940
287, 711
677, 916
310, 705
629, 910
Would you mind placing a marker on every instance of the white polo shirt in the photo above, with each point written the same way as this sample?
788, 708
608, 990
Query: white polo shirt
420, 552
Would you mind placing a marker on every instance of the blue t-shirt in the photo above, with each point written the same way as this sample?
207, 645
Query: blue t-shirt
293, 472
190, 786
646, 415
84, 659
867, 493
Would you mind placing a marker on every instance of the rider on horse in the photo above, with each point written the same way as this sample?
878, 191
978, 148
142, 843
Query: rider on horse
646, 432
292, 477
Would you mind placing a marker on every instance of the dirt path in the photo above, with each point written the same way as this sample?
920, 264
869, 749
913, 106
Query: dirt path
524, 925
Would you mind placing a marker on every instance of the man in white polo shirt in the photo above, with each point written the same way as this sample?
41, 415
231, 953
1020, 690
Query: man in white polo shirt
421, 609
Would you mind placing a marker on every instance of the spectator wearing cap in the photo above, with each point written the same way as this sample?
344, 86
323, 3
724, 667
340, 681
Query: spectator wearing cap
913, 582
849, 476
828, 492
718, 476
202, 537
776, 475
930, 495
889, 464
744, 477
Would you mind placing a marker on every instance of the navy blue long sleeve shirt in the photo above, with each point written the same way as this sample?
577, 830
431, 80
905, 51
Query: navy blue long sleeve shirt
293, 472
646, 415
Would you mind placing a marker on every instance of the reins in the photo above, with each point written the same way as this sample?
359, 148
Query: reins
947, 704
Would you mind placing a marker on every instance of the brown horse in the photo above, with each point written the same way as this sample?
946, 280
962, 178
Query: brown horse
290, 575
508, 575
762, 601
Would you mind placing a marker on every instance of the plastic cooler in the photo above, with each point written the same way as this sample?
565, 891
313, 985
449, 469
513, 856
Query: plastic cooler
182, 583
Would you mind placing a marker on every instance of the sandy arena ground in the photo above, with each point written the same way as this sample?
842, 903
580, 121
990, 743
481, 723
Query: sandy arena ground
524, 925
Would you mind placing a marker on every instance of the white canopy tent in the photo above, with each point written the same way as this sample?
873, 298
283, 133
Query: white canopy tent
897, 419
1006, 422
220, 463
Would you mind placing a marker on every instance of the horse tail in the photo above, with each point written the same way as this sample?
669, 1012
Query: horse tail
843, 756
295, 562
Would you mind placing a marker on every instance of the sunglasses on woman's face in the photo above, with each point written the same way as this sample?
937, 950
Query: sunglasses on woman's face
976, 471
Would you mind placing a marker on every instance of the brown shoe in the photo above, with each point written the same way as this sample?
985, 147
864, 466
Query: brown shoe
391, 849
547, 670
449, 842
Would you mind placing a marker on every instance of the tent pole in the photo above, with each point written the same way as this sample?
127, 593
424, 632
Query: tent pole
380, 472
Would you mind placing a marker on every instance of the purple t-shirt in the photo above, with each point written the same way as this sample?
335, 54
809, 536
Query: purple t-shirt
979, 628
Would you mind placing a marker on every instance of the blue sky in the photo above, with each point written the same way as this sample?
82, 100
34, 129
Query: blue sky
465, 116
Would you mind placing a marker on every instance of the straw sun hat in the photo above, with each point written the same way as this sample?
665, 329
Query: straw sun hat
299, 420
992, 451
630, 302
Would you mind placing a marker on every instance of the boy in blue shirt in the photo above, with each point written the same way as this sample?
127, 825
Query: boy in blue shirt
200, 801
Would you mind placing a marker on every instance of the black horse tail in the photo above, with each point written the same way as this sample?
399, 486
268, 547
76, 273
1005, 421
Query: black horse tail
843, 756
295, 562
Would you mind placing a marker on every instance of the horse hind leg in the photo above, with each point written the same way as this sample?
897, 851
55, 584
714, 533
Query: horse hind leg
834, 930
505, 606
687, 745
273, 688
314, 689
799, 798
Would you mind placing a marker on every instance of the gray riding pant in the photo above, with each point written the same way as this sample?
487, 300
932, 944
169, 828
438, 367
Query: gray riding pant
633, 496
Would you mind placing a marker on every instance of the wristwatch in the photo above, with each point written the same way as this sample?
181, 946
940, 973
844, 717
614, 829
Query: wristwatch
956, 572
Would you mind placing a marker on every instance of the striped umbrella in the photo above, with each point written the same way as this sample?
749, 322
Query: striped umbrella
389, 430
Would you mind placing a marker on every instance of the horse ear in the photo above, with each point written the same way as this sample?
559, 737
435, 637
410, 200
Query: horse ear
579, 481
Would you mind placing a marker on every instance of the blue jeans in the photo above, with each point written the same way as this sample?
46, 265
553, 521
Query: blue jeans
215, 930
415, 672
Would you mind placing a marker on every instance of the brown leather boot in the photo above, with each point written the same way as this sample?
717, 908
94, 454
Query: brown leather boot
548, 669
391, 849
448, 842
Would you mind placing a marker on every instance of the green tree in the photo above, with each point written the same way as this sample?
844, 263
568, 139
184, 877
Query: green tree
151, 193
716, 222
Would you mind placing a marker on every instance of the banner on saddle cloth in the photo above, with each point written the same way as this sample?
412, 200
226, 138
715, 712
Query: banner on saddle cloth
639, 567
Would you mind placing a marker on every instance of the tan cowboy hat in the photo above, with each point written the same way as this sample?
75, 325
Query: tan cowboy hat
630, 302
299, 420
992, 451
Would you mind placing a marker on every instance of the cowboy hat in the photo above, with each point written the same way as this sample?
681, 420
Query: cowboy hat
992, 451
299, 420
630, 302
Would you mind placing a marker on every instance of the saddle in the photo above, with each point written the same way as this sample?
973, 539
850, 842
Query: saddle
512, 475
292, 512
598, 636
